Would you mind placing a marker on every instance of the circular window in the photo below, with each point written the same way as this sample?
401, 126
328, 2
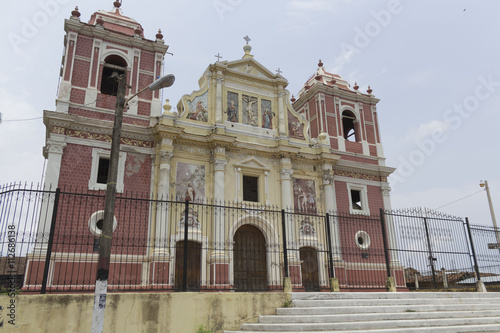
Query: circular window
96, 222
362, 240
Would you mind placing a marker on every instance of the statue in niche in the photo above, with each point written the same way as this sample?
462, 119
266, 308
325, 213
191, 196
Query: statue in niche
250, 113
267, 114
232, 107
200, 113
198, 108
295, 128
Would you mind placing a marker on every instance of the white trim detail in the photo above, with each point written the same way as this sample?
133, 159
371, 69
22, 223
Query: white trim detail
99, 215
366, 241
365, 210
98, 153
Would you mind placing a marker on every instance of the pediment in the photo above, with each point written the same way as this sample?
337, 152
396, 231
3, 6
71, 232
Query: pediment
252, 163
251, 66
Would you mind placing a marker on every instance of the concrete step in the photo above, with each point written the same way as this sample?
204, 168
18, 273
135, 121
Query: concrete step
397, 295
315, 318
370, 325
406, 312
394, 302
293, 311
440, 329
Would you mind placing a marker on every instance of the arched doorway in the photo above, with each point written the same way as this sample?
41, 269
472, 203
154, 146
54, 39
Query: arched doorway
193, 276
309, 268
250, 265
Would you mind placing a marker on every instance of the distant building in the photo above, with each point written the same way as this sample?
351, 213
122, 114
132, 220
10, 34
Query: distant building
239, 138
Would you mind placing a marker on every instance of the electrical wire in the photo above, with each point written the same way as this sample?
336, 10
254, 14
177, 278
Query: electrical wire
470, 195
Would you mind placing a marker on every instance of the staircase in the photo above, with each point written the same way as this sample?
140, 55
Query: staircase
408, 312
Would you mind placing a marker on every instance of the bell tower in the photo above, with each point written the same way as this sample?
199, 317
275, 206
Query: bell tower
110, 42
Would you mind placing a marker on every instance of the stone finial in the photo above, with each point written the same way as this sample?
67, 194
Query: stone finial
292, 99
138, 31
117, 4
167, 107
75, 13
369, 90
332, 82
99, 21
320, 63
356, 87
159, 35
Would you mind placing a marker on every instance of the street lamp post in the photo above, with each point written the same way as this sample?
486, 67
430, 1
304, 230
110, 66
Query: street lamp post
101, 286
497, 233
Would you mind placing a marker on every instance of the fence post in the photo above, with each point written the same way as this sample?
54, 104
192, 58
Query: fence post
386, 247
431, 257
328, 235
185, 258
285, 254
480, 285
51, 241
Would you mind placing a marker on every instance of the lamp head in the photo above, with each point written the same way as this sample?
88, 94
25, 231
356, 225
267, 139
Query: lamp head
162, 82
481, 184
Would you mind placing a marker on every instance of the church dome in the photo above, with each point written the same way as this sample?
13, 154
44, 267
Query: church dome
115, 20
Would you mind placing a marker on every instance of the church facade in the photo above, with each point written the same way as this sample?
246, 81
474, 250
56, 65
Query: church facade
239, 140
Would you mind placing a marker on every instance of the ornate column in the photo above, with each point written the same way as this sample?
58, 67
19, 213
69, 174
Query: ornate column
53, 152
391, 234
331, 208
218, 100
162, 231
219, 260
281, 111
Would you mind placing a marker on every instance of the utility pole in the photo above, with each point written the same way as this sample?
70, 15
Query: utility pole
101, 285
497, 233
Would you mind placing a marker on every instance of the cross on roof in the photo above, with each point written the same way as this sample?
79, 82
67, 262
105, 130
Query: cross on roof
247, 39
218, 56
279, 71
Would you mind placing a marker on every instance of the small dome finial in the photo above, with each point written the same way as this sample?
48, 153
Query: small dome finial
356, 87
320, 63
117, 4
159, 35
75, 13
247, 48
369, 90
293, 99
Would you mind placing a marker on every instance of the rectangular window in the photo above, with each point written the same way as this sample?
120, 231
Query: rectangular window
102, 170
250, 188
356, 200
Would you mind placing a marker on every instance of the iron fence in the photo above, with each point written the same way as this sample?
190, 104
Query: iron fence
50, 243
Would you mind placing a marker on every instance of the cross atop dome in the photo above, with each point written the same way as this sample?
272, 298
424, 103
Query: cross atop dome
247, 48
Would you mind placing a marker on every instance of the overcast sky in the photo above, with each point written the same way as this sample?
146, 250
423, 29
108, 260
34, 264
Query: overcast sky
434, 65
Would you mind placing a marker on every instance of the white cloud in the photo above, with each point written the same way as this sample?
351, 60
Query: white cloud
426, 130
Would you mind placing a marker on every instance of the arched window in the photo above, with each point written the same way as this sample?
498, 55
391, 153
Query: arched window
113, 66
349, 126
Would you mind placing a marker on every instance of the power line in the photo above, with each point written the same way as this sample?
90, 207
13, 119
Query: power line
470, 195
12, 120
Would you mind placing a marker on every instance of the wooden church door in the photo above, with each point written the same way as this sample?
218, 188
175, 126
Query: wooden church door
309, 268
250, 267
193, 265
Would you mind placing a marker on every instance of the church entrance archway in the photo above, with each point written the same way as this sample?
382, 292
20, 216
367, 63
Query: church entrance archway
309, 268
193, 276
250, 266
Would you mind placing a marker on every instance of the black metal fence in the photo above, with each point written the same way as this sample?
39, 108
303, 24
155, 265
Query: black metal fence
49, 242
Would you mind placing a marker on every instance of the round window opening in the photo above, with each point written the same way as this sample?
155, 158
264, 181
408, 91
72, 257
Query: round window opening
96, 223
362, 240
